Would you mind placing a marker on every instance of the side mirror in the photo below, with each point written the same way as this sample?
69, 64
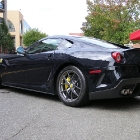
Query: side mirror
20, 50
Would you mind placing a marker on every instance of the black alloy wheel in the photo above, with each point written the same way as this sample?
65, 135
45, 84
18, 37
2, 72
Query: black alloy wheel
72, 86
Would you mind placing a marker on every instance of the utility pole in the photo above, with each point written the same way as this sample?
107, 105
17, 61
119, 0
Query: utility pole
5, 11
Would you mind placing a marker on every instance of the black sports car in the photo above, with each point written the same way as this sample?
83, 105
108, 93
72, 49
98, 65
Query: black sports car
76, 68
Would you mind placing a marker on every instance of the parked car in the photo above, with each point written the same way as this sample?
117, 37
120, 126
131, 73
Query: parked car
75, 68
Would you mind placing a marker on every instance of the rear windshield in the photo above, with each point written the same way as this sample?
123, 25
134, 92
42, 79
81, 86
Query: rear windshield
98, 42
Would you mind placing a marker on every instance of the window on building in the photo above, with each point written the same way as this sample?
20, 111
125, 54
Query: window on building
26, 27
20, 41
1, 20
21, 27
10, 26
13, 38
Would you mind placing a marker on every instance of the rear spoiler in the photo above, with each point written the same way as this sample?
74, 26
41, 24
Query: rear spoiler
119, 45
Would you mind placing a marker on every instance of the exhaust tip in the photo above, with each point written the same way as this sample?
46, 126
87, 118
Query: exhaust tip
130, 91
126, 91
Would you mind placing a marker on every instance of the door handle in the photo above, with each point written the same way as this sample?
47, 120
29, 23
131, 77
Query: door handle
49, 56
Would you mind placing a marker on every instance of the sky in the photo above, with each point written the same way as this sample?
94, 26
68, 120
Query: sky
52, 16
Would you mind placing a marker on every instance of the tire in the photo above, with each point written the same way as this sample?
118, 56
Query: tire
72, 87
1, 83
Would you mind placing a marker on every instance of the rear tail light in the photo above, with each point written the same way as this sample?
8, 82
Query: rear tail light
117, 56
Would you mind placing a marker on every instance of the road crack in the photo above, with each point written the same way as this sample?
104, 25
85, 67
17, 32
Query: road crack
19, 132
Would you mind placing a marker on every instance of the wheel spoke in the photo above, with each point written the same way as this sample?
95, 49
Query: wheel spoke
74, 92
68, 73
63, 91
67, 93
71, 96
76, 81
73, 76
77, 87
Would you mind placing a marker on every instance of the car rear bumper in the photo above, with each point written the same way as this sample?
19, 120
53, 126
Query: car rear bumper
133, 83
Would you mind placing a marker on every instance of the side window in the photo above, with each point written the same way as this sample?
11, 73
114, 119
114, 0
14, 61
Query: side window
43, 46
35, 48
50, 44
65, 44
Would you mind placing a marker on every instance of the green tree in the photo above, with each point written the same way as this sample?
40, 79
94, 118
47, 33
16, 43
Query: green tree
6, 42
112, 20
32, 36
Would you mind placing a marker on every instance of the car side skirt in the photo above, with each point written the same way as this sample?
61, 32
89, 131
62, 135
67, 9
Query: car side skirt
45, 92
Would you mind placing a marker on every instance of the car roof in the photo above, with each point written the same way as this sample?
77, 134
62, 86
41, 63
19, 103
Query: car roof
75, 37
65, 36
71, 37
88, 40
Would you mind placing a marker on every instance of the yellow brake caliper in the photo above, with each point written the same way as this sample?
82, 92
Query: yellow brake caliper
66, 85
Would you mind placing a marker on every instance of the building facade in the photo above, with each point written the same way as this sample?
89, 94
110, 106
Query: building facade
78, 34
17, 26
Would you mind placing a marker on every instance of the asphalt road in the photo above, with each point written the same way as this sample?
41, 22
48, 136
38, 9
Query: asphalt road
28, 115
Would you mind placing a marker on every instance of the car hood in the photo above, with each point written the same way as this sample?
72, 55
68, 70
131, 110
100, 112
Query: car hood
8, 56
